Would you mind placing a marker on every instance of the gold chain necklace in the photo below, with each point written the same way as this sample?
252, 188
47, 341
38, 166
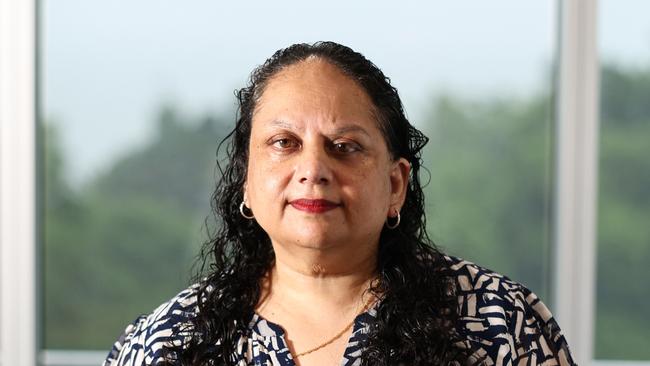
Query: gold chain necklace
337, 336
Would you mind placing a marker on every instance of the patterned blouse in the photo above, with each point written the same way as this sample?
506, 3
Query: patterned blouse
502, 320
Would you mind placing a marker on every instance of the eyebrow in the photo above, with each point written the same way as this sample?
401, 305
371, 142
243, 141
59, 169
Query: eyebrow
283, 124
351, 128
339, 131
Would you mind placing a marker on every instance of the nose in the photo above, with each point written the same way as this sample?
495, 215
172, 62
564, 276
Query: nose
314, 166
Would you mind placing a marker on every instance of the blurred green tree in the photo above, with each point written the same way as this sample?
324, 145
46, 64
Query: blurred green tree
489, 196
624, 215
125, 241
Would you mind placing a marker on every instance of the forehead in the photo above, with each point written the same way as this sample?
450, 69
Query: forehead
315, 89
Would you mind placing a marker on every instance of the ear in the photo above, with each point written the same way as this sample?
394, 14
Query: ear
399, 179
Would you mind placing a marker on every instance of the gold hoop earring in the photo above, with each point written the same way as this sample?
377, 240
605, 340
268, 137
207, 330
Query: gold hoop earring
396, 224
241, 210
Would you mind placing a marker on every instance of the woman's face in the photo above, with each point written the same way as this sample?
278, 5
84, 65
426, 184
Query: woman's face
319, 171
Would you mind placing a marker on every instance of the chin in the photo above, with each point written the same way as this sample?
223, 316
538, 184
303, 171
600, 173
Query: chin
313, 239
315, 242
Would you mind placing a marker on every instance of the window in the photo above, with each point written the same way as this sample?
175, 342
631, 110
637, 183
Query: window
133, 114
125, 107
624, 183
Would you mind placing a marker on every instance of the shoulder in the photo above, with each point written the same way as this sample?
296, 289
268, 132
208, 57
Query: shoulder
502, 320
143, 340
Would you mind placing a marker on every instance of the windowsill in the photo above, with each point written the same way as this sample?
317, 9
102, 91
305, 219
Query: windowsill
94, 358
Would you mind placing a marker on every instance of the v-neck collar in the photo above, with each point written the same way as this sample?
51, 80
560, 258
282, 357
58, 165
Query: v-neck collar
267, 345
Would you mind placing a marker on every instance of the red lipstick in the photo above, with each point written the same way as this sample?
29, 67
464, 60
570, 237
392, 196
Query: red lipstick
313, 206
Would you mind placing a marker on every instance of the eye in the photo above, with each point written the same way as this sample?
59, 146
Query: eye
284, 143
345, 147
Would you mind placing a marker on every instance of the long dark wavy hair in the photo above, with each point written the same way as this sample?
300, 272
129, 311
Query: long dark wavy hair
416, 317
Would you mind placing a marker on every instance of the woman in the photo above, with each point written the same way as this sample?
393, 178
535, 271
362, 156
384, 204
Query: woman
323, 256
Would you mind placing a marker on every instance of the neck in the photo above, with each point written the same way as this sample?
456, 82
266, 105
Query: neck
315, 276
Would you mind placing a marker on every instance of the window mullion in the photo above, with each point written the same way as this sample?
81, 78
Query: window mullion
576, 176
18, 340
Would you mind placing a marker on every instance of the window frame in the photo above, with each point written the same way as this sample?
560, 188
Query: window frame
575, 195
18, 248
576, 169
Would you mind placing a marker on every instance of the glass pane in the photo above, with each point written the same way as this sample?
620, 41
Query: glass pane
624, 199
136, 100
490, 154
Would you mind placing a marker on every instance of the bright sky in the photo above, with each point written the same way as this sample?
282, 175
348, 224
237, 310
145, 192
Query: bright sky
108, 65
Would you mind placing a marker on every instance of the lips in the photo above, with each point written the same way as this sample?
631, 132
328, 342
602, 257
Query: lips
313, 206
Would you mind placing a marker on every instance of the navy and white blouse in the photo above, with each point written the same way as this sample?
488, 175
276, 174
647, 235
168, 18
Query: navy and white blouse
504, 322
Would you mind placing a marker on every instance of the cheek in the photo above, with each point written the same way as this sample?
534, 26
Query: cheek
372, 189
265, 182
